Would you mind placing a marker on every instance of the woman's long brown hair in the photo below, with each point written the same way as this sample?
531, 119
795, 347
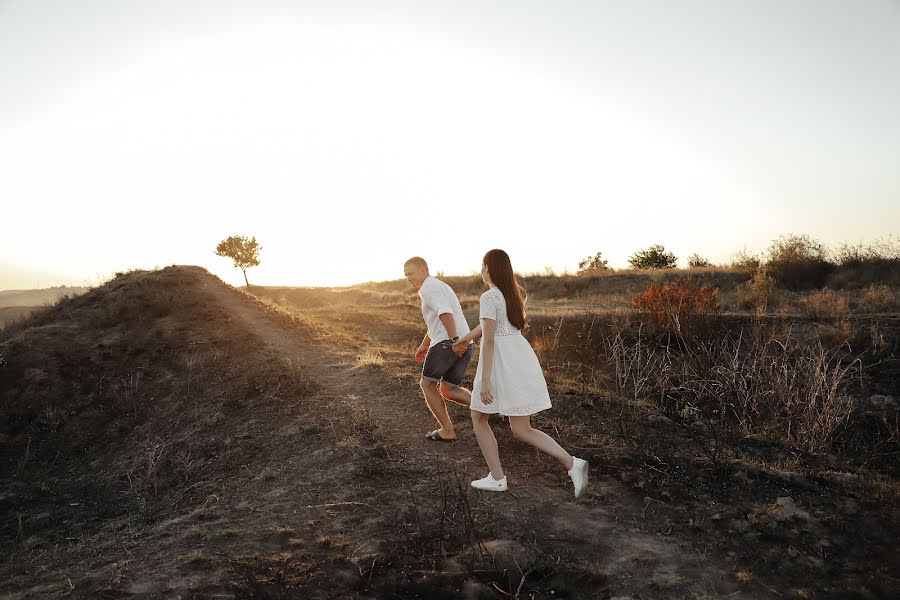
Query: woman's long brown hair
501, 273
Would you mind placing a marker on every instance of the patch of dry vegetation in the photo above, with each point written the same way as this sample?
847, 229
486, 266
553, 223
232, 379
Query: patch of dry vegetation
766, 443
136, 403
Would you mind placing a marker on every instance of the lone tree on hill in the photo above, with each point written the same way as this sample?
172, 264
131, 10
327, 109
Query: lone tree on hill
654, 257
244, 252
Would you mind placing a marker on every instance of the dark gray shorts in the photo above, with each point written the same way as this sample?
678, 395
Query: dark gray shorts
442, 363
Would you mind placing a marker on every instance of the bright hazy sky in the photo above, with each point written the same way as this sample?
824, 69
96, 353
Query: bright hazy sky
347, 136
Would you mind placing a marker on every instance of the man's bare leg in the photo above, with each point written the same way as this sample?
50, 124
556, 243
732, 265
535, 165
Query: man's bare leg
438, 407
456, 394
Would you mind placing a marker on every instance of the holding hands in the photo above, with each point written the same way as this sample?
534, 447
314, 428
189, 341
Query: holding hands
421, 351
462, 344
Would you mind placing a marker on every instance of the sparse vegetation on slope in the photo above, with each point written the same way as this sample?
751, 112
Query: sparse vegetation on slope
170, 435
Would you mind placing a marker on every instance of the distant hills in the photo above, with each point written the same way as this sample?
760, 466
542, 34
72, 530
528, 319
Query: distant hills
42, 297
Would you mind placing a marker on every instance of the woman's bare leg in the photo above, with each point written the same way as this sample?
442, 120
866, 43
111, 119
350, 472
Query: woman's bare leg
487, 442
522, 429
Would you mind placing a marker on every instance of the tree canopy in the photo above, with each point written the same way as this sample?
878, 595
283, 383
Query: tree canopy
243, 251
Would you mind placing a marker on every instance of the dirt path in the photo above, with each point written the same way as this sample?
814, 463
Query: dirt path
604, 531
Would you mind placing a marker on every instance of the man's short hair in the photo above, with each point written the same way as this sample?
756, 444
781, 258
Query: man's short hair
417, 261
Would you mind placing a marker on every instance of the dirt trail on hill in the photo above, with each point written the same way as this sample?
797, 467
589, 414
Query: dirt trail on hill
605, 528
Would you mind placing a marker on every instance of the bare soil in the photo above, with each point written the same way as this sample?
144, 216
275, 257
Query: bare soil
168, 436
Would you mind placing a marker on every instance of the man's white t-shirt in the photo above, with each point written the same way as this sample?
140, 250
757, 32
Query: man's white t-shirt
439, 298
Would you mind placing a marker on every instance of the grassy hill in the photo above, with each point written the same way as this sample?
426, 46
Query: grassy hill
850, 291
166, 435
129, 406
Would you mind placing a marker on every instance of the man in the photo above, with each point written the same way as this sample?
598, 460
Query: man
442, 368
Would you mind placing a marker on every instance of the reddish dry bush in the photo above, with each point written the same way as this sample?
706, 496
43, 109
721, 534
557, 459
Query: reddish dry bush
678, 307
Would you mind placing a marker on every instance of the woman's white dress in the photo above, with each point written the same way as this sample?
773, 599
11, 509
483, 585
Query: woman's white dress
517, 382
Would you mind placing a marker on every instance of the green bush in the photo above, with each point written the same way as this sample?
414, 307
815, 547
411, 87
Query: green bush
695, 261
654, 257
593, 263
745, 263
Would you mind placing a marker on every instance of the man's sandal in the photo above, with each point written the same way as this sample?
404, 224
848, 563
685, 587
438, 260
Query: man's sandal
434, 436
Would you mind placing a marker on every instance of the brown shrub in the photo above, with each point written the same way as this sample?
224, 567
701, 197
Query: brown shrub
678, 307
758, 292
858, 266
877, 299
826, 304
747, 264
799, 262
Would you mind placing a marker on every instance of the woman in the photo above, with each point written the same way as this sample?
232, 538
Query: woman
509, 380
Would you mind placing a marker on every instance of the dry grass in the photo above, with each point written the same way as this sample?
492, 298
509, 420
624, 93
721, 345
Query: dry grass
226, 441
740, 291
826, 304
878, 299
758, 292
668, 581
11, 314
370, 359
764, 380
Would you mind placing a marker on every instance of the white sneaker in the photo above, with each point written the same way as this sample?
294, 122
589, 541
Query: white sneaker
579, 474
490, 484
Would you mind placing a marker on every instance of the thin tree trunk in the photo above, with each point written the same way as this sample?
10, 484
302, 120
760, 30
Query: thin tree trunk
245, 277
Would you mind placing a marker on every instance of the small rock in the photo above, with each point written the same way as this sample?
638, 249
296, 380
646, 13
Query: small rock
878, 406
785, 509
698, 426
33, 374
739, 525
659, 420
345, 578
841, 477
878, 403
475, 590
511, 556
740, 476
452, 566
848, 506
832, 461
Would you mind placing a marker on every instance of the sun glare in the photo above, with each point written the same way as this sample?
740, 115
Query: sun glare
344, 151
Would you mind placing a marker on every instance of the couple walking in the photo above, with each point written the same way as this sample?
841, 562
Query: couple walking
508, 380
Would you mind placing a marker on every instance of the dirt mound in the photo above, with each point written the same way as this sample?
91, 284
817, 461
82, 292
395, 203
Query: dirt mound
135, 401
170, 436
